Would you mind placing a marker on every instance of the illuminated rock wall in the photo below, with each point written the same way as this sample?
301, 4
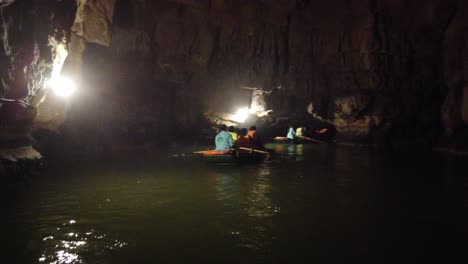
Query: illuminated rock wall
153, 67
30, 30
374, 64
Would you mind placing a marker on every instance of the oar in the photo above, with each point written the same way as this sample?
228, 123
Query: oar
268, 154
311, 139
256, 150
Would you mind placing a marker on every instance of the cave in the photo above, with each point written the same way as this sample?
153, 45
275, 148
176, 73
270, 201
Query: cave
375, 72
373, 90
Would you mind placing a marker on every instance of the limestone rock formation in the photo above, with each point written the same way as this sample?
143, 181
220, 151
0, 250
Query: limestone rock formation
93, 20
151, 67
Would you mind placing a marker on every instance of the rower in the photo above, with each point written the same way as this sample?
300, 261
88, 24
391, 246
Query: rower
243, 140
256, 140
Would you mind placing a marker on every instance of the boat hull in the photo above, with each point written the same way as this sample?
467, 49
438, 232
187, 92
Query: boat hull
295, 141
234, 157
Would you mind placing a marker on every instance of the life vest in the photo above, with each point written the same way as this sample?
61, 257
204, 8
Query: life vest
244, 142
253, 134
255, 139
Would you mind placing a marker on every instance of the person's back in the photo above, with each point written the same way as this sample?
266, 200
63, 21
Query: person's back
253, 134
256, 140
299, 132
243, 140
223, 140
232, 131
291, 134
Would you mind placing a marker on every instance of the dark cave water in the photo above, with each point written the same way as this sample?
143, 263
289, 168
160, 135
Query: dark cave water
327, 205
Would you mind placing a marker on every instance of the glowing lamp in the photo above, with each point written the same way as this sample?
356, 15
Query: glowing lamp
241, 115
62, 86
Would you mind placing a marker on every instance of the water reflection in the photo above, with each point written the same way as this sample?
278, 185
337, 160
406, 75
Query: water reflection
227, 187
246, 193
258, 198
295, 151
66, 245
258, 211
299, 150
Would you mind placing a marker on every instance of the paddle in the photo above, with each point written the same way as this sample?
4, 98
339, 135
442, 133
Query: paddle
256, 150
268, 154
311, 139
187, 155
249, 149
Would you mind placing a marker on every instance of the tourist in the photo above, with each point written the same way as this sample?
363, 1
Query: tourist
243, 140
291, 134
234, 134
256, 139
300, 132
223, 140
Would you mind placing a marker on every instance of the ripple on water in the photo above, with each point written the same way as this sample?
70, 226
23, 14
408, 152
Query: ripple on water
66, 245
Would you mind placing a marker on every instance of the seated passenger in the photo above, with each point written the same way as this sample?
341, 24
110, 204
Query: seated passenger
291, 134
223, 140
256, 140
244, 140
233, 133
300, 132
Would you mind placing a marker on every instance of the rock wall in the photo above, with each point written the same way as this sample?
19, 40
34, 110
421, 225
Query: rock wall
29, 31
376, 64
394, 68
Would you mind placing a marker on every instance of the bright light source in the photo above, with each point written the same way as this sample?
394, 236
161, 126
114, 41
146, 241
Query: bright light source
241, 115
62, 86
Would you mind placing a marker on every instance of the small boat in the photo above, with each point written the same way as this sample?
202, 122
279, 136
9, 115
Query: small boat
298, 140
239, 156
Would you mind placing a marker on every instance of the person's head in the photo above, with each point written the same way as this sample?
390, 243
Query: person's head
231, 129
222, 127
243, 131
253, 128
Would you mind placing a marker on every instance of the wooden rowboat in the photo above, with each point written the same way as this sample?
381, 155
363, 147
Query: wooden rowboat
239, 156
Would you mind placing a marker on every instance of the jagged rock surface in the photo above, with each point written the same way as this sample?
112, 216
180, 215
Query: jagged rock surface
28, 29
392, 66
379, 62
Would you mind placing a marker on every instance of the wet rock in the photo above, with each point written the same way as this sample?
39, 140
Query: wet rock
19, 162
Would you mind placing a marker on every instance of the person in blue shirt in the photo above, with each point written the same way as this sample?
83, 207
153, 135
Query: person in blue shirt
291, 133
223, 140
